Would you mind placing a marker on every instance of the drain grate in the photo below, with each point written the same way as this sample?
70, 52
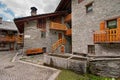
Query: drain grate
10, 66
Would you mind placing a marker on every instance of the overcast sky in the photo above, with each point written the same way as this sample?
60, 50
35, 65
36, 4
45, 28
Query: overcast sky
10, 9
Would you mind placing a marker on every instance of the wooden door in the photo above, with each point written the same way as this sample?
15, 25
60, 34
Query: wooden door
59, 35
62, 49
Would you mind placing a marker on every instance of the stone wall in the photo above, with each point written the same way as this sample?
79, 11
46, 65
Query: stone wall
78, 66
33, 36
84, 24
106, 68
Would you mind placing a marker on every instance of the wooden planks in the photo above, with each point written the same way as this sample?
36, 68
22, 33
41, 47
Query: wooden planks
34, 51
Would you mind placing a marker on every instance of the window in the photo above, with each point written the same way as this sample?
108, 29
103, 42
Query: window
91, 49
43, 34
41, 23
79, 1
89, 7
112, 24
44, 49
2, 45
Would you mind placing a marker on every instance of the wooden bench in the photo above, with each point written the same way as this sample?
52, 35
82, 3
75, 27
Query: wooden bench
34, 51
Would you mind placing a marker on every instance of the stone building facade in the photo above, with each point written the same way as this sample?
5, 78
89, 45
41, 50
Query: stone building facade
35, 39
87, 16
44, 34
85, 23
8, 31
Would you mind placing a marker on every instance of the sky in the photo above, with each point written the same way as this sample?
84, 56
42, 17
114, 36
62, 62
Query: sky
10, 9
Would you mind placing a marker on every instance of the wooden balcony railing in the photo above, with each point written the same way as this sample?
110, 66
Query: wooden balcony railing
107, 36
58, 43
58, 26
68, 18
68, 32
7, 39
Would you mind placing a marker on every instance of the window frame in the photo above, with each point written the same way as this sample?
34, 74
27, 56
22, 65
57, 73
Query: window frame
79, 1
89, 5
111, 27
91, 49
43, 34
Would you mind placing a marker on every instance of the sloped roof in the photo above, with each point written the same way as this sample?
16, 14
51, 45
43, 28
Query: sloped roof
8, 26
20, 21
40, 16
64, 5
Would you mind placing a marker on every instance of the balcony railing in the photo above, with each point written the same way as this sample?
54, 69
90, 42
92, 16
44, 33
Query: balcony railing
68, 32
68, 18
58, 26
107, 36
7, 39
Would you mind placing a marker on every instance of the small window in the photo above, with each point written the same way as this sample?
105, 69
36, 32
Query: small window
79, 1
2, 45
91, 49
111, 24
44, 49
89, 7
43, 34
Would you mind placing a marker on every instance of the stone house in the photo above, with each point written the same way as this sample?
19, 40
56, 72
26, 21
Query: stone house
95, 32
51, 32
8, 30
95, 28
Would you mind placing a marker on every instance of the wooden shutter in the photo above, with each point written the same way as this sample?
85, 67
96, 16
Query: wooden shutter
118, 20
102, 25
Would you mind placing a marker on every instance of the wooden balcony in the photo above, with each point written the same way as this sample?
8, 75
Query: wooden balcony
7, 39
107, 36
68, 32
68, 18
58, 26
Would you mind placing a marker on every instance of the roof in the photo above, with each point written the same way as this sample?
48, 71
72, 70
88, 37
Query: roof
40, 16
64, 5
8, 26
20, 21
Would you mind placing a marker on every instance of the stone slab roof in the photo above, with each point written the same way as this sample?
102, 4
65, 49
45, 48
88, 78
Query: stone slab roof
8, 26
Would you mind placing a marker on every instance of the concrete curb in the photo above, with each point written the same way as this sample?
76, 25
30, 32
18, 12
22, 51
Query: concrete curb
36, 65
52, 77
13, 60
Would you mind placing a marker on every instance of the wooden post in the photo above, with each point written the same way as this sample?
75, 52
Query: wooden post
118, 29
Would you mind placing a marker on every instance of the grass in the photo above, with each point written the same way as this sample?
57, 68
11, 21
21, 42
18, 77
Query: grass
23, 59
69, 75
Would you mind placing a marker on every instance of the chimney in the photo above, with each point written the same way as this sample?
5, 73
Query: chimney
33, 11
0, 20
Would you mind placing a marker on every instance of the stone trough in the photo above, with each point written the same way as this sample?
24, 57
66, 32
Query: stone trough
66, 61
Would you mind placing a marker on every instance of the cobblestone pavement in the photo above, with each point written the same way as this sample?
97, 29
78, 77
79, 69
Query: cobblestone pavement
21, 71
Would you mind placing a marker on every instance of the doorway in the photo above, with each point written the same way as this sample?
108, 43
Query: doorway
59, 35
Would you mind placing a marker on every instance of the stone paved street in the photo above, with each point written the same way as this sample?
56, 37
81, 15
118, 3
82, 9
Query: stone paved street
21, 71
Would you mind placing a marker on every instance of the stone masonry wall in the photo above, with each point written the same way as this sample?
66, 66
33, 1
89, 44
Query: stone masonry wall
66, 63
34, 40
83, 25
106, 68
